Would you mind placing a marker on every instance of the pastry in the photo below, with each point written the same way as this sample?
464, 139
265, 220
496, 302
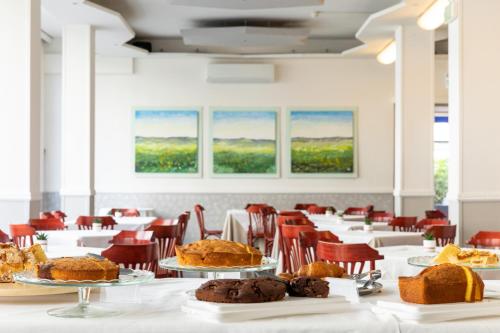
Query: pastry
286, 276
79, 269
13, 260
217, 253
474, 257
445, 283
241, 291
308, 287
321, 269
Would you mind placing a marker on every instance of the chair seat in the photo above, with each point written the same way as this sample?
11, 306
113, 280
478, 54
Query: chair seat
213, 232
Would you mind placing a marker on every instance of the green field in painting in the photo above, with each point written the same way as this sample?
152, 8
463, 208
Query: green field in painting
166, 155
322, 155
244, 156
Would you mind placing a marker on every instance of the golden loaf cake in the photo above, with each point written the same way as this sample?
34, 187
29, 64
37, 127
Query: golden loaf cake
79, 269
445, 283
217, 253
320, 269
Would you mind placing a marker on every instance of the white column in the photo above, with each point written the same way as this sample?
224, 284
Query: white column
414, 98
77, 146
20, 91
474, 81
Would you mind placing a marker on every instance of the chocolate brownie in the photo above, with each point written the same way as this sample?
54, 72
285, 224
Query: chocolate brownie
308, 287
241, 291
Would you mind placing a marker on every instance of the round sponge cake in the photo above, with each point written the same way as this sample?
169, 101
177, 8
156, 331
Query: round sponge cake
79, 269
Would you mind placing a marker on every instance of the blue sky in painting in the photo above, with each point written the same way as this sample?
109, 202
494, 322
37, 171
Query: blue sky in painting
244, 124
170, 114
321, 124
166, 123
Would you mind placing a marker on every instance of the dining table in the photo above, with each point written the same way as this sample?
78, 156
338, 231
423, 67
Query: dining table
122, 223
157, 307
83, 238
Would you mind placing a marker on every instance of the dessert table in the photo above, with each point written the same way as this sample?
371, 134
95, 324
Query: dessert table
123, 223
86, 238
143, 211
155, 307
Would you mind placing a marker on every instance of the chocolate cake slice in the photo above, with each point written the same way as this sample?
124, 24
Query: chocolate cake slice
241, 291
308, 287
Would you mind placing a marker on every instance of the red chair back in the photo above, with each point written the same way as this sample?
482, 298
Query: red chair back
485, 239
356, 211
435, 214
293, 257
47, 224
131, 236
316, 210
200, 216
255, 204
21, 233
4, 238
380, 216
59, 214
303, 206
350, 256
182, 224
403, 223
128, 212
425, 223
262, 224
291, 213
444, 234
142, 255
162, 221
46, 215
166, 237
85, 222
308, 241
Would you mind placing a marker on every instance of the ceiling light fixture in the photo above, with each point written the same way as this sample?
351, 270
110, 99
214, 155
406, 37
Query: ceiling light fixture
434, 16
388, 55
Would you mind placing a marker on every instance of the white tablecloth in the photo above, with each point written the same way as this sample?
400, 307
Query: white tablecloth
156, 308
335, 226
142, 211
87, 238
123, 223
57, 251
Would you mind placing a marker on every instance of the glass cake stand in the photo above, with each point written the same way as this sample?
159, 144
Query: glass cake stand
214, 272
84, 309
426, 261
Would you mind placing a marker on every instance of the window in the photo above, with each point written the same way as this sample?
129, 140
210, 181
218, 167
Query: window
441, 154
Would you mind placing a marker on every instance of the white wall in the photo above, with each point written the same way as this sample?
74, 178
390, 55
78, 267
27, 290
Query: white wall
301, 82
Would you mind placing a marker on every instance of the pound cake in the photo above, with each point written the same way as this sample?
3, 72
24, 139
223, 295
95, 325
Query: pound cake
321, 269
217, 253
241, 291
14, 260
445, 283
79, 269
474, 257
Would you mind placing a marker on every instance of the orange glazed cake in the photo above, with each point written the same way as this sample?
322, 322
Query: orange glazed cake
217, 253
79, 269
446, 283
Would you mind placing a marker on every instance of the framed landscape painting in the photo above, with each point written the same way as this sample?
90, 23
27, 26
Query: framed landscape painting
322, 142
167, 141
244, 142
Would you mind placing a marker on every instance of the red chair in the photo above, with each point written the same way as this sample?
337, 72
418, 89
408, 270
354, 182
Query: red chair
348, 255
204, 232
131, 236
128, 212
403, 223
291, 213
444, 234
308, 241
4, 238
435, 214
262, 225
21, 233
380, 216
426, 223
303, 206
141, 255
47, 224
59, 214
46, 215
486, 239
256, 204
357, 211
292, 255
162, 221
316, 210
166, 237
182, 224
85, 222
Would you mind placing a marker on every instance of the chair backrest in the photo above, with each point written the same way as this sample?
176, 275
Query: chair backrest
435, 214
403, 223
4, 238
356, 211
59, 214
162, 221
380, 216
200, 216
308, 241
142, 255
424, 223
485, 239
129, 212
316, 210
85, 222
182, 225
293, 257
303, 206
291, 213
47, 224
131, 236
46, 215
444, 234
255, 204
21, 233
350, 256
166, 236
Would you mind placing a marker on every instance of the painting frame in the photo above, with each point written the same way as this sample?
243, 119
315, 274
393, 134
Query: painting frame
288, 146
210, 142
200, 152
